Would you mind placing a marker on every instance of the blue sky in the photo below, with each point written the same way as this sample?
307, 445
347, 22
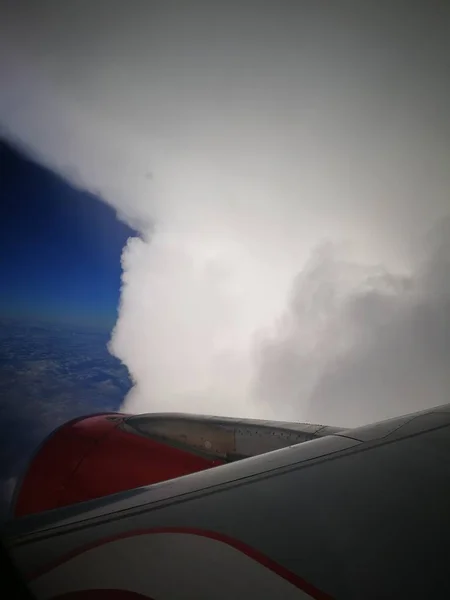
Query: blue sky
60, 247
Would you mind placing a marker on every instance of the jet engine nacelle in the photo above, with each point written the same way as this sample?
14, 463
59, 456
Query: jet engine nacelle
103, 454
94, 456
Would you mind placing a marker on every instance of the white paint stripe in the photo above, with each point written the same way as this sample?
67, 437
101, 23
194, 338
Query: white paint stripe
168, 566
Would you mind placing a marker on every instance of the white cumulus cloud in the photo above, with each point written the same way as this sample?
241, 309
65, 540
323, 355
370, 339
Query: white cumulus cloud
235, 141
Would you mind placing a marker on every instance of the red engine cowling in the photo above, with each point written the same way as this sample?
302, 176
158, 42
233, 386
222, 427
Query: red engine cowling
95, 456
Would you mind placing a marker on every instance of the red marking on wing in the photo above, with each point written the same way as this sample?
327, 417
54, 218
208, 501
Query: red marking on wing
261, 558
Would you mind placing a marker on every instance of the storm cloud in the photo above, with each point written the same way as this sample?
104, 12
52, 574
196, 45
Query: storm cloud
286, 165
357, 343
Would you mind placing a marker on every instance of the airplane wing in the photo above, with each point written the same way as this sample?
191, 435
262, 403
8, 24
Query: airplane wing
265, 510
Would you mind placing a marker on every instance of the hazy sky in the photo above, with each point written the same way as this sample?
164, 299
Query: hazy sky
284, 163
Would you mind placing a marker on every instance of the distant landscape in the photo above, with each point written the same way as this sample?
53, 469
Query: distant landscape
48, 374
